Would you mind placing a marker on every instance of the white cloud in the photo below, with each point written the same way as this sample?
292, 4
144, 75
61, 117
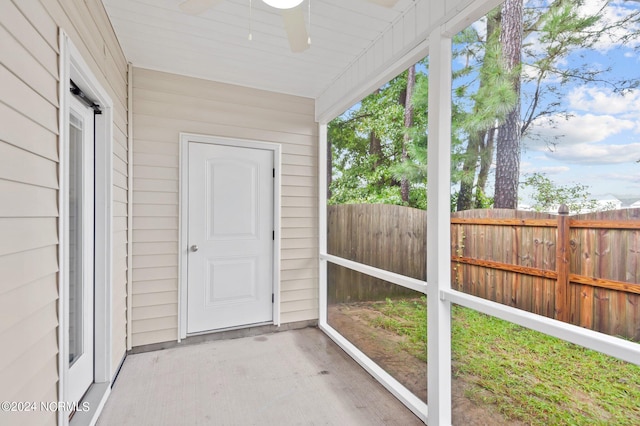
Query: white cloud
584, 139
613, 12
531, 73
552, 170
604, 101
528, 168
481, 27
577, 129
586, 153
633, 178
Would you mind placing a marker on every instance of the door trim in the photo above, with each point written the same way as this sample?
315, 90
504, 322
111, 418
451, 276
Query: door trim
185, 139
83, 168
73, 66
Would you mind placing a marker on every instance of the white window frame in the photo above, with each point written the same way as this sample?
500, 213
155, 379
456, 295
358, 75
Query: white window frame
73, 66
439, 292
183, 239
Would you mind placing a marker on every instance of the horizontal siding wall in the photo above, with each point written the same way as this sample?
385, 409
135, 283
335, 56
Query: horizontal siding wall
29, 188
167, 104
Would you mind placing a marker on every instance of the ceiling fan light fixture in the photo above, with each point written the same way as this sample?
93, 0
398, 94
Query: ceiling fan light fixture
283, 4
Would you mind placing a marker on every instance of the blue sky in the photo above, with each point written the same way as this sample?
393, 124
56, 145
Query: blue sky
599, 144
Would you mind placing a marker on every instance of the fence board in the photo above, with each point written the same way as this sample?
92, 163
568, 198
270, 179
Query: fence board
586, 273
384, 236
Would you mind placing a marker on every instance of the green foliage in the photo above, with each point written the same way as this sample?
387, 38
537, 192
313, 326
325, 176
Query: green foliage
367, 143
367, 140
495, 95
415, 169
548, 196
482, 201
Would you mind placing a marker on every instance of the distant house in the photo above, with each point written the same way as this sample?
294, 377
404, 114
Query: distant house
608, 202
525, 207
632, 203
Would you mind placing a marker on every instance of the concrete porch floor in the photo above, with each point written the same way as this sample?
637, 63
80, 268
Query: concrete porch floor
296, 377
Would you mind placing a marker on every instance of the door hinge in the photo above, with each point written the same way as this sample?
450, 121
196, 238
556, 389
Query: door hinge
273, 235
274, 172
273, 298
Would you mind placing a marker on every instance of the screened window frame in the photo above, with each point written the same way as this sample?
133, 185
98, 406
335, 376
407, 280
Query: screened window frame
439, 291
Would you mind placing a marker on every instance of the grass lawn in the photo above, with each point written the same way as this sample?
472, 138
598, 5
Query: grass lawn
527, 375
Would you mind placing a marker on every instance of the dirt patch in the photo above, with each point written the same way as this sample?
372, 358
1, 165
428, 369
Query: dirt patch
354, 321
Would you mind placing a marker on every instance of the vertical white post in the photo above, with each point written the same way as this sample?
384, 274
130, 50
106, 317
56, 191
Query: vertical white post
438, 230
322, 218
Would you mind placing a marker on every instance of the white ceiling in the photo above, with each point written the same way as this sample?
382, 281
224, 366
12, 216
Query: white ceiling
155, 34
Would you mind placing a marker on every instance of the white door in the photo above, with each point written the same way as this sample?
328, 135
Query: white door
79, 173
230, 237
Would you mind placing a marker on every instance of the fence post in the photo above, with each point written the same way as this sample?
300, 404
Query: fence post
563, 305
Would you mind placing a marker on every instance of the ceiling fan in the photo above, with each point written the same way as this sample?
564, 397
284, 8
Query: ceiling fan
292, 15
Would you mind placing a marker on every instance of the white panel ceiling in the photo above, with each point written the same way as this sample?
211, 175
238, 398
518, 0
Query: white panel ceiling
215, 45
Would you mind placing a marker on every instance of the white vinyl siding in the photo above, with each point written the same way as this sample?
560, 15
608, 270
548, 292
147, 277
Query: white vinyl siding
29, 188
167, 104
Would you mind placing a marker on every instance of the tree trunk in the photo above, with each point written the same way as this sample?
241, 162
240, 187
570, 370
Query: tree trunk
375, 148
408, 124
508, 143
465, 196
375, 144
486, 157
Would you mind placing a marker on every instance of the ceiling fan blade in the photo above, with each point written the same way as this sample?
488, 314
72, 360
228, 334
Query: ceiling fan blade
384, 3
196, 7
296, 29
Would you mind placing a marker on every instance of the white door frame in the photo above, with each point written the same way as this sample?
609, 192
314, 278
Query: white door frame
185, 138
73, 66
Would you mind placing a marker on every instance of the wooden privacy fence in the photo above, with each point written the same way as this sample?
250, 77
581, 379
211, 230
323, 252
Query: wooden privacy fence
386, 236
582, 269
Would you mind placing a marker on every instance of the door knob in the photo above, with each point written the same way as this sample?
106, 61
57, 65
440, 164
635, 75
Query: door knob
194, 248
